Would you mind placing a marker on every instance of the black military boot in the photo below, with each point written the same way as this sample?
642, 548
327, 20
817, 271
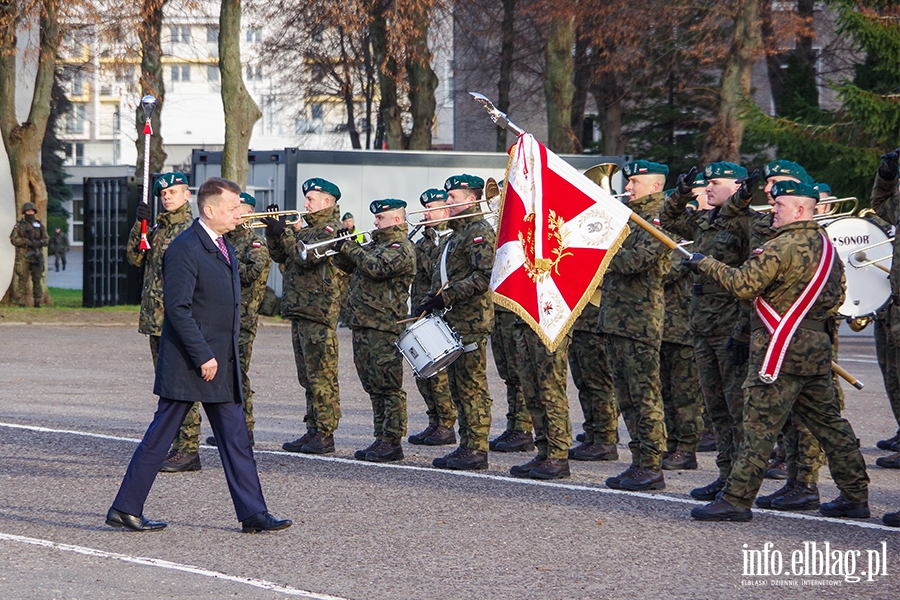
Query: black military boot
680, 461
581, 437
469, 460
552, 468
524, 470
614, 482
891, 461
181, 462
361, 454
708, 493
645, 478
840, 508
766, 501
891, 519
385, 452
589, 452
517, 441
721, 510
492, 445
886, 444
419, 438
321, 443
804, 496
441, 461
298, 443
441, 436
707, 442
777, 469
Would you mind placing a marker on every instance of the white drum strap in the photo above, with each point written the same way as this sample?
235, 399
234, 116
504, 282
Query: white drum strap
444, 264
470, 347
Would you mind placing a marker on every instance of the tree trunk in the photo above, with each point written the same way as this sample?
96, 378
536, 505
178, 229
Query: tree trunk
723, 141
389, 108
583, 70
241, 111
608, 97
508, 36
345, 77
773, 60
558, 87
23, 141
152, 84
422, 84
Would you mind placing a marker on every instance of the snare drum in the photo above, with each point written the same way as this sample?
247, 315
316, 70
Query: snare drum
868, 287
429, 346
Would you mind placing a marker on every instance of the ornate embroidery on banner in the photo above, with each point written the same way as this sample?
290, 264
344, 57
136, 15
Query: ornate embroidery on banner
538, 268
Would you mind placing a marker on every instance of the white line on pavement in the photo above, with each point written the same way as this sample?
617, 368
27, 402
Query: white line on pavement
164, 564
513, 480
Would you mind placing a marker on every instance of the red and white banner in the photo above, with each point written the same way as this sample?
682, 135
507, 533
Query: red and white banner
782, 328
558, 231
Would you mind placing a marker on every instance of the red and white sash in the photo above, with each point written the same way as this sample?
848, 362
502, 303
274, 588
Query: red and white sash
782, 328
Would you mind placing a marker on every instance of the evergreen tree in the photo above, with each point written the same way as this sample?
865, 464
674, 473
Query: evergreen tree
52, 153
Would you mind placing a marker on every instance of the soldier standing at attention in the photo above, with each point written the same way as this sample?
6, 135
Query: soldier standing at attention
29, 236
796, 273
309, 300
380, 276
463, 270
715, 314
59, 246
435, 390
631, 316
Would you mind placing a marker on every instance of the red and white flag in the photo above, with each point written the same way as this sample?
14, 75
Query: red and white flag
558, 231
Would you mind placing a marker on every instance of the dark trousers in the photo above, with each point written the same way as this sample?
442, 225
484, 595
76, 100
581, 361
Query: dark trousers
229, 427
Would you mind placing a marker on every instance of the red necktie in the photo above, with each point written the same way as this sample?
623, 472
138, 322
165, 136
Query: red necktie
221, 243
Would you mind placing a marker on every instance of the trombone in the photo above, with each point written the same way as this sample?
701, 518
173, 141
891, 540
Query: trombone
859, 260
254, 220
834, 207
305, 249
434, 221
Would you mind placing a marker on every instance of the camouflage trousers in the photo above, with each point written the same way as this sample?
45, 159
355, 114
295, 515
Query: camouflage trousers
596, 393
439, 405
33, 271
720, 383
467, 376
380, 369
767, 409
682, 402
888, 355
316, 357
635, 374
503, 348
543, 377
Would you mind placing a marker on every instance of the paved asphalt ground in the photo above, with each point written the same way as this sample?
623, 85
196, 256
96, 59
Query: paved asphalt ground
75, 400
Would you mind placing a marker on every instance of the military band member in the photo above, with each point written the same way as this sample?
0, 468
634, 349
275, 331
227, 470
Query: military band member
309, 299
517, 436
435, 390
791, 272
631, 317
380, 276
463, 274
29, 236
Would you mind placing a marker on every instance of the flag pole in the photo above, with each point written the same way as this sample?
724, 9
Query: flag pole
148, 103
500, 118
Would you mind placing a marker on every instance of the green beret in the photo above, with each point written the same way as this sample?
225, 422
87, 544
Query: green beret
248, 199
380, 206
794, 188
432, 195
317, 184
644, 167
700, 181
346, 216
724, 170
168, 180
464, 182
693, 203
823, 188
786, 168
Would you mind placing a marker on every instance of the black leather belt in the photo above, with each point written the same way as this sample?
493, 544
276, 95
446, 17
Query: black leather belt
810, 324
701, 289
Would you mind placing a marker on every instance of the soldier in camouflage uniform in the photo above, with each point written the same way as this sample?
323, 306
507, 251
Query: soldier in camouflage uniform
779, 273
631, 316
678, 373
172, 189
517, 436
714, 312
381, 273
309, 300
254, 263
29, 236
462, 274
596, 393
435, 390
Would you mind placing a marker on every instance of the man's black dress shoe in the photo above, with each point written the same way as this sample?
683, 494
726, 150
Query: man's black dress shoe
264, 522
115, 518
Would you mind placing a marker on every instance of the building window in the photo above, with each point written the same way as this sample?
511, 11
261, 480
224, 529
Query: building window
75, 154
317, 111
180, 34
176, 73
75, 120
254, 73
181, 73
254, 35
212, 73
212, 35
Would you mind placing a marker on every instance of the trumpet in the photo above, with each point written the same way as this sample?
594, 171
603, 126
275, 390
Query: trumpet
254, 220
305, 249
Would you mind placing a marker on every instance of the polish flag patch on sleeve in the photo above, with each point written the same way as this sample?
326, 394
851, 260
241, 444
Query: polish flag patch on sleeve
329, 229
757, 251
478, 240
395, 245
256, 245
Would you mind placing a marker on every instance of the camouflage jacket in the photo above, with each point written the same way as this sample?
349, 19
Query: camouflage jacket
59, 243
886, 203
380, 275
29, 237
310, 288
588, 320
713, 313
169, 225
253, 269
632, 303
779, 272
427, 253
677, 294
469, 258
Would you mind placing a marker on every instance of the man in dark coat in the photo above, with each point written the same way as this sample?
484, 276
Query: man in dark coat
200, 332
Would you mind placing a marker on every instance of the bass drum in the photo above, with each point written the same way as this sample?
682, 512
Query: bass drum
868, 287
